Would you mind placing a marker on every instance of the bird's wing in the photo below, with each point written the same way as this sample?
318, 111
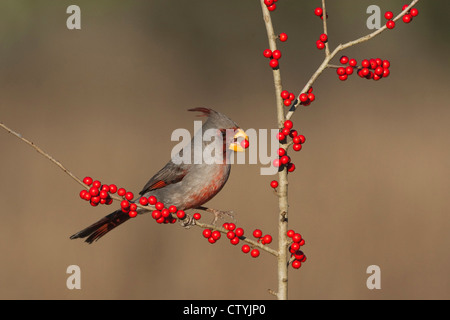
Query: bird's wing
171, 173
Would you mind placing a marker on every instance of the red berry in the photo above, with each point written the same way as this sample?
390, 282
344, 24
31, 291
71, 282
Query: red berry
267, 239
291, 96
211, 240
296, 264
88, 181
159, 206
320, 45
156, 214
273, 63
294, 247
297, 147
407, 18
181, 214
280, 136
302, 138
276, 54
83, 194
285, 131
290, 233
234, 241
230, 235
239, 232
405, 6
386, 64
132, 214
215, 235
231, 226
287, 102
310, 89
152, 200
388, 15
390, 24
293, 133
291, 167
121, 192
365, 63
133, 207
281, 152
165, 213
414, 12
343, 77
298, 255
318, 12
304, 97
245, 144
386, 73
288, 124
296, 237
257, 233
104, 194
268, 2
323, 37
284, 94
352, 63
340, 71
379, 71
245, 248
197, 216
311, 97
207, 233
129, 196
225, 225
124, 204
272, 7
172, 209
283, 37
267, 53
274, 184
285, 159
343, 60
254, 253
276, 163
112, 188
302, 242
94, 191
349, 70
96, 184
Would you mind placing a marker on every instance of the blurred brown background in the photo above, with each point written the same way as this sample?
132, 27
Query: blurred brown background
371, 185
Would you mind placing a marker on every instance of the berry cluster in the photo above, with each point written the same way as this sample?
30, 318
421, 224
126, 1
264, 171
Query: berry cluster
97, 193
320, 44
257, 233
101, 194
270, 4
305, 98
407, 18
370, 68
297, 140
236, 234
274, 56
294, 249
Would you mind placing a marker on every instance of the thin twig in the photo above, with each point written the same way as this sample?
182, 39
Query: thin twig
325, 29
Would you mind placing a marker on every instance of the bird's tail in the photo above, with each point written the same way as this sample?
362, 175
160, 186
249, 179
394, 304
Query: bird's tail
102, 227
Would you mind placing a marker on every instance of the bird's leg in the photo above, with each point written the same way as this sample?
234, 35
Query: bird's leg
218, 214
188, 221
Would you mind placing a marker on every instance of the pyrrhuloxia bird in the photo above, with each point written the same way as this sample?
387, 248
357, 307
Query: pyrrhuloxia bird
184, 185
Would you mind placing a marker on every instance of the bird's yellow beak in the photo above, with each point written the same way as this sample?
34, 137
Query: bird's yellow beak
235, 145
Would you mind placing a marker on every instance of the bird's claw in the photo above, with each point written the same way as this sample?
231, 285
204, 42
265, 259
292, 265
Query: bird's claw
219, 214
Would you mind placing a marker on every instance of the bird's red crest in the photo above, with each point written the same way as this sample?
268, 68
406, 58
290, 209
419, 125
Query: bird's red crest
205, 111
